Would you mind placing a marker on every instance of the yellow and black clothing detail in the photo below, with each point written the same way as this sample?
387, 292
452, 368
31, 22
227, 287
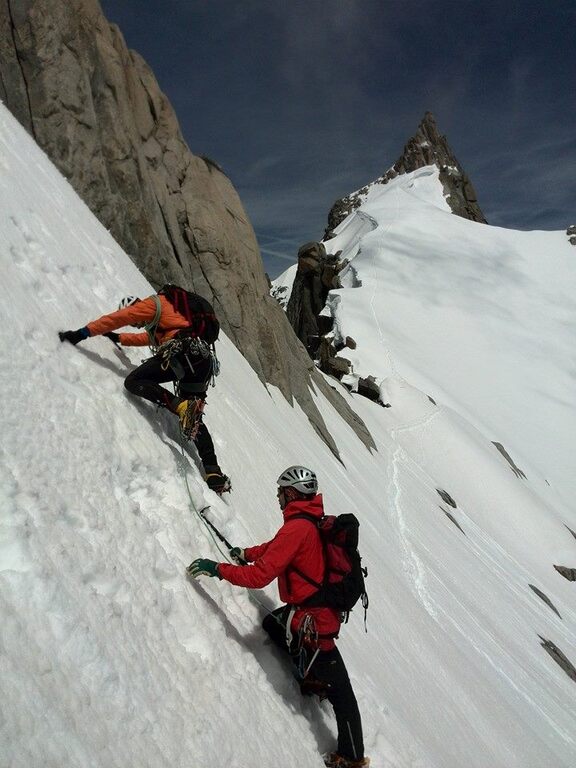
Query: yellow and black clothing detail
193, 374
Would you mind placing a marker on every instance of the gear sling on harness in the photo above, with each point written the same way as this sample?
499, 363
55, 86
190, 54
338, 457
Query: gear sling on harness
196, 340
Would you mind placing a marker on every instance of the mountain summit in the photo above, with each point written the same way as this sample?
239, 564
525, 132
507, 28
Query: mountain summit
426, 147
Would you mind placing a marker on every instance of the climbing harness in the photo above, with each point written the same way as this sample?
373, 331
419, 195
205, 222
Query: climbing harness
186, 346
180, 351
180, 348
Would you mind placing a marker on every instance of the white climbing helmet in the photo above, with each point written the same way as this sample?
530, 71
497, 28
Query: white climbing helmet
299, 478
127, 301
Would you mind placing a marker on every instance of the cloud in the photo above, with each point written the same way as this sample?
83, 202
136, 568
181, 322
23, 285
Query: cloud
277, 254
319, 38
262, 165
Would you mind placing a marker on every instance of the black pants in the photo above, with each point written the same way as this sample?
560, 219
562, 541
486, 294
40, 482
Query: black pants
329, 668
193, 375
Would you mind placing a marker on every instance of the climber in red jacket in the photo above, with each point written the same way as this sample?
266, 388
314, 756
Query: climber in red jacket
306, 633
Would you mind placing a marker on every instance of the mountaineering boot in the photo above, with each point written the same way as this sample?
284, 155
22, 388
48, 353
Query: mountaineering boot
216, 480
334, 760
310, 686
190, 412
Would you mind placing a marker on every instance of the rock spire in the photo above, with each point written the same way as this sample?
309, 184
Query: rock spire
426, 147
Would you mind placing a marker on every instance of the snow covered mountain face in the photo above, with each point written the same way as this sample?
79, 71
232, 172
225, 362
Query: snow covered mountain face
110, 658
480, 318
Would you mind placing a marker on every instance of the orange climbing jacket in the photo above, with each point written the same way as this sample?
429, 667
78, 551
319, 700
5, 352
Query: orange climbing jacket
140, 314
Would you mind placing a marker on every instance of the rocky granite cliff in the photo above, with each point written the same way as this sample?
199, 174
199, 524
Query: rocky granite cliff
97, 111
426, 147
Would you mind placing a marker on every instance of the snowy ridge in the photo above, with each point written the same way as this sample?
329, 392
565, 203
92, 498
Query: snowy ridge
110, 658
481, 318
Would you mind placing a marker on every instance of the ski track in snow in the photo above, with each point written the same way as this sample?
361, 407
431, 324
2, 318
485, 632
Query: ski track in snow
413, 564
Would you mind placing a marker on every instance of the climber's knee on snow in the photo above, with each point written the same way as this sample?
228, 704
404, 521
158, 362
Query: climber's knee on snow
132, 383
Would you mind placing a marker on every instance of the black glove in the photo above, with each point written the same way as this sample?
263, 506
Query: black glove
74, 336
115, 337
237, 554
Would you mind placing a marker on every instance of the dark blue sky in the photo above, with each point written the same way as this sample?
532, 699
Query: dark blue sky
304, 102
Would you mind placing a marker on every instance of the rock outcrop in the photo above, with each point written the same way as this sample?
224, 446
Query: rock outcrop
559, 657
317, 273
97, 111
568, 573
426, 147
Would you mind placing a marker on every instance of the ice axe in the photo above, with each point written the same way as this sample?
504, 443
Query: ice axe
222, 538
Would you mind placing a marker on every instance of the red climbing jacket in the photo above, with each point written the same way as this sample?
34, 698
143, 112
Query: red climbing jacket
297, 545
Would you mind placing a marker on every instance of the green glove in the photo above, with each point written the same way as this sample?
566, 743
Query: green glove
203, 567
237, 554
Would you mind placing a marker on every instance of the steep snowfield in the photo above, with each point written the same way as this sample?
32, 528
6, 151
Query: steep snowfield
110, 658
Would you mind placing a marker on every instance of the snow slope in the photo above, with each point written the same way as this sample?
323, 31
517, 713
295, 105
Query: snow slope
480, 318
110, 658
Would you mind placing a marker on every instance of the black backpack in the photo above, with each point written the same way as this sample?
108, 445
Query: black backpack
203, 323
343, 583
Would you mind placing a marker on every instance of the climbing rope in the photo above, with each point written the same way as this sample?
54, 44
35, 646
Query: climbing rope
150, 327
210, 530
198, 512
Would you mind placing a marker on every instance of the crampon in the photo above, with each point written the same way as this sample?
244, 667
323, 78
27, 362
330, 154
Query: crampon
190, 415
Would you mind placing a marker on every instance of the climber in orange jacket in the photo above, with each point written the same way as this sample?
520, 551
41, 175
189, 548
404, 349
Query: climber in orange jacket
181, 328
138, 313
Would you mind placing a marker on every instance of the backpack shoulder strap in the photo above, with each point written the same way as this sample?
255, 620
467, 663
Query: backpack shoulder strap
304, 516
314, 520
